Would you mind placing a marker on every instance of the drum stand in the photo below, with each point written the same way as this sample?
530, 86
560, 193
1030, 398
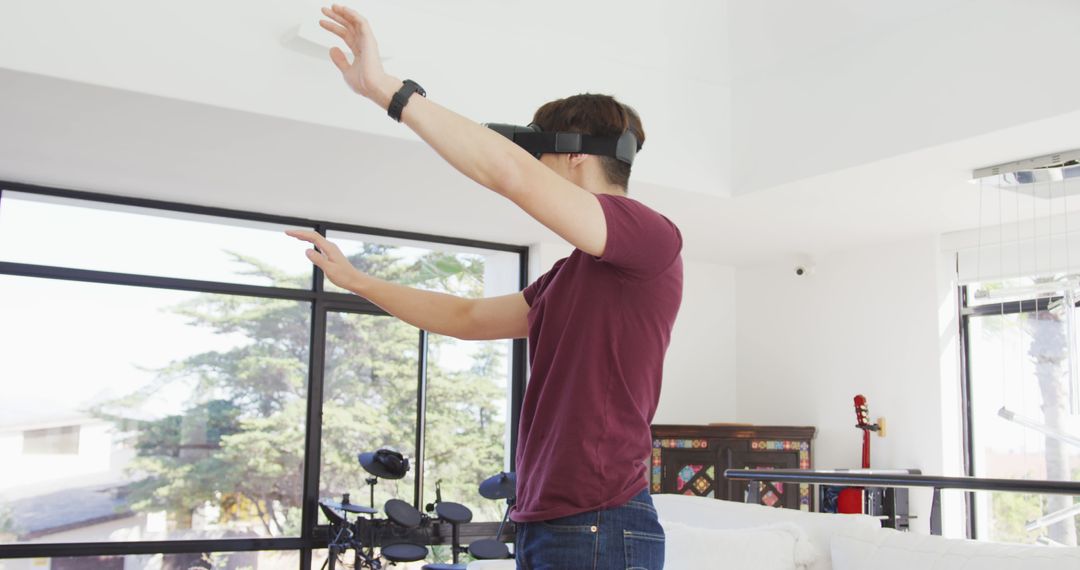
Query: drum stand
371, 481
501, 486
343, 537
492, 548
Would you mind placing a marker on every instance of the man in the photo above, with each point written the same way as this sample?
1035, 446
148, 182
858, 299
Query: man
598, 322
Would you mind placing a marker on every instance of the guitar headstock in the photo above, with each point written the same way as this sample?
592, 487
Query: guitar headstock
862, 412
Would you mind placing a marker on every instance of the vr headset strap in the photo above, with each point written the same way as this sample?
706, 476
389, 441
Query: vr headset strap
552, 142
622, 148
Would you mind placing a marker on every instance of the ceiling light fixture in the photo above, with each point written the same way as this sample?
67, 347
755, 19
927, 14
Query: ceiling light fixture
1040, 169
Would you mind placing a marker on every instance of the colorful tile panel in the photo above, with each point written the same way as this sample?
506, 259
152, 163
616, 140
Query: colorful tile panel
657, 470
681, 443
686, 474
691, 486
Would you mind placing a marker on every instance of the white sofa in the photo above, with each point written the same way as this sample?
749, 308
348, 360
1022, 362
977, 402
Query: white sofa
703, 534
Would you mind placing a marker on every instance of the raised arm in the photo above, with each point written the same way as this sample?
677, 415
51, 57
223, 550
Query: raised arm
467, 319
474, 150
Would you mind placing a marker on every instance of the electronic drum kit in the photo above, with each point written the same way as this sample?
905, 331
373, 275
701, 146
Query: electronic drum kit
405, 532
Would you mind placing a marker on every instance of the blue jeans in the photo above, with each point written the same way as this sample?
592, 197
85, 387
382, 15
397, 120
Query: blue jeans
623, 538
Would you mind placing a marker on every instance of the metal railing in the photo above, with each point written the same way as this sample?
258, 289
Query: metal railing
935, 482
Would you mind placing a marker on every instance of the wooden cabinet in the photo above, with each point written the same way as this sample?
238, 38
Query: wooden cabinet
691, 460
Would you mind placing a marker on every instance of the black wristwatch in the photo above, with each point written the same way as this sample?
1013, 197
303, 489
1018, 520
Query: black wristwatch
398, 101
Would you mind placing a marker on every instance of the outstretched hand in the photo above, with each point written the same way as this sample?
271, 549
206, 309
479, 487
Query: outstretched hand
365, 73
328, 257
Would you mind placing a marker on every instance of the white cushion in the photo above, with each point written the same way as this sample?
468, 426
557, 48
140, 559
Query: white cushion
704, 512
775, 547
507, 564
764, 548
892, 550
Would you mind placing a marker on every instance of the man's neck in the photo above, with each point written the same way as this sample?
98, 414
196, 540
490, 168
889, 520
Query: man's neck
605, 188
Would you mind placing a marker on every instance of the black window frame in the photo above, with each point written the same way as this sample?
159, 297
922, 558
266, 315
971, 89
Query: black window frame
322, 302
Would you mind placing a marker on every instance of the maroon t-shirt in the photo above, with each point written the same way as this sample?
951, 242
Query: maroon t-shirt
598, 331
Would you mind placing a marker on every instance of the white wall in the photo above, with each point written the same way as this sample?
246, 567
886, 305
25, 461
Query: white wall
877, 321
478, 67
890, 79
543, 255
699, 372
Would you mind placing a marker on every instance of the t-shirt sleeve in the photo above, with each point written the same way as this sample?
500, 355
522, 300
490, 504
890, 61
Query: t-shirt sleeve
536, 287
640, 242
532, 290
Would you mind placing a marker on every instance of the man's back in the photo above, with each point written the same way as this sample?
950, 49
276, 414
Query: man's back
598, 332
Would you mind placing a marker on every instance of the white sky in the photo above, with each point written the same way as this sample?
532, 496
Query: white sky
70, 344
64, 345
46, 231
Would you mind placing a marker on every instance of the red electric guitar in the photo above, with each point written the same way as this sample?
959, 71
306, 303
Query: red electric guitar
862, 417
850, 499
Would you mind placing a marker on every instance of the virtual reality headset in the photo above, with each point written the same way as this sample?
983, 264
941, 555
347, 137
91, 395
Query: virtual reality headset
531, 138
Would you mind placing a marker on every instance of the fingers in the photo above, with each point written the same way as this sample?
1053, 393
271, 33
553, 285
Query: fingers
304, 235
309, 236
341, 28
351, 27
340, 19
338, 57
340, 32
352, 16
317, 258
324, 245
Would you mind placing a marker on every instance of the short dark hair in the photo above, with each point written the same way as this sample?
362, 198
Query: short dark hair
598, 115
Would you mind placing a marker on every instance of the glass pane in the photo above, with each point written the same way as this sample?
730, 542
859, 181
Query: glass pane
1019, 370
468, 438
265, 560
88, 235
146, 414
467, 272
369, 403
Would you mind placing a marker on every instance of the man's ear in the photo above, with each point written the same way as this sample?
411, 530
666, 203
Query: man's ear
577, 159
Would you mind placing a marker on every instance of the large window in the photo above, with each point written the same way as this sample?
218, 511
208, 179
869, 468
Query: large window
183, 375
177, 398
1020, 422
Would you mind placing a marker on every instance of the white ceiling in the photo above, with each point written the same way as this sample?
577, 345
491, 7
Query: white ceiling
774, 127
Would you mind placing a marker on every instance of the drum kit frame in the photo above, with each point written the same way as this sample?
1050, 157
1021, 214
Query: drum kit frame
405, 532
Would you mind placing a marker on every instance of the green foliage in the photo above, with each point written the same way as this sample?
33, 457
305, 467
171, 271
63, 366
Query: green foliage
237, 448
369, 399
1011, 513
7, 521
465, 437
166, 436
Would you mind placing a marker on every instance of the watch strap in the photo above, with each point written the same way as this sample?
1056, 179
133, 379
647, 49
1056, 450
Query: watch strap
401, 98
